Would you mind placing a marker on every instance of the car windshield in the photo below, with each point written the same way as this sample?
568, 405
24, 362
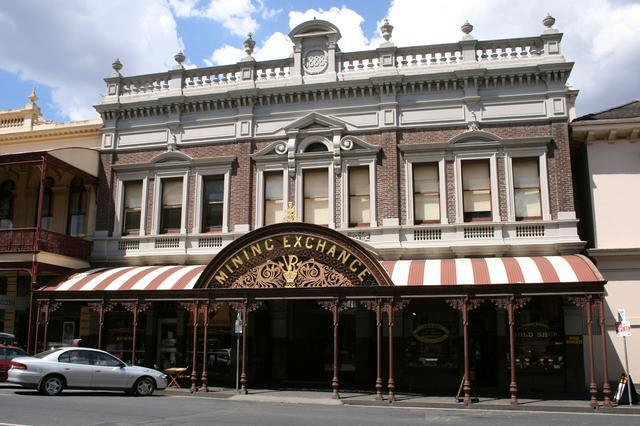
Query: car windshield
45, 353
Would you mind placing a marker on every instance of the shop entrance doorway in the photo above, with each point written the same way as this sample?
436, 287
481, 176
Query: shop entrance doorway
291, 346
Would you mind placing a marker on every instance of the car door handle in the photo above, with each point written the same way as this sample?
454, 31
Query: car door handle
67, 369
98, 371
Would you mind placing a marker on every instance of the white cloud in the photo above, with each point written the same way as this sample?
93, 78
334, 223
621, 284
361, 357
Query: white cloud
348, 21
70, 47
234, 15
277, 46
600, 36
266, 12
184, 8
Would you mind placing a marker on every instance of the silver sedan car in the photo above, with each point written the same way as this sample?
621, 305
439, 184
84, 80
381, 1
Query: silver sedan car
83, 368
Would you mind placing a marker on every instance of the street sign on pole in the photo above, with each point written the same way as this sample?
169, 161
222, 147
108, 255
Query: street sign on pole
623, 329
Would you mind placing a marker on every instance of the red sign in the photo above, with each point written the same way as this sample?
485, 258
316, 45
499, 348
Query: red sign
623, 328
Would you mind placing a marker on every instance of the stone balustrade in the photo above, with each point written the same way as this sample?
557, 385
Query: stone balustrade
486, 238
501, 50
466, 54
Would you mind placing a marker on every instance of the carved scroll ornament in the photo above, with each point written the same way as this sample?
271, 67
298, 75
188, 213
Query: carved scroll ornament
309, 273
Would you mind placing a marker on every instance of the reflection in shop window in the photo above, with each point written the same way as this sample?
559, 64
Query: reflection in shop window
431, 337
539, 337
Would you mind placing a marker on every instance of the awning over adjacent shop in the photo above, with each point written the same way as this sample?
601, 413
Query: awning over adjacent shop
132, 278
429, 272
492, 270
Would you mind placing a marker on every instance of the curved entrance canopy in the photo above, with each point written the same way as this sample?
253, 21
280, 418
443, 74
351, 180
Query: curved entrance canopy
293, 255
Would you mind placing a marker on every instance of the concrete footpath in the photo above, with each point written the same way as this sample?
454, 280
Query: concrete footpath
406, 401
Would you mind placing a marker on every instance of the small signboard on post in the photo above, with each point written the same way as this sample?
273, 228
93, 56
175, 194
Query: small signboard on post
623, 329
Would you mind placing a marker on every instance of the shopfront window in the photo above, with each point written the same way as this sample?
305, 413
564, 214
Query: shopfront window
431, 336
539, 337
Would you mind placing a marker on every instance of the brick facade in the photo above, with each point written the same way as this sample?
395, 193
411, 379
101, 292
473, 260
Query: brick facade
390, 179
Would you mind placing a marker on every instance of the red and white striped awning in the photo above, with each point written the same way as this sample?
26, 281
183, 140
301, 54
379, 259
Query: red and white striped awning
430, 272
492, 270
133, 278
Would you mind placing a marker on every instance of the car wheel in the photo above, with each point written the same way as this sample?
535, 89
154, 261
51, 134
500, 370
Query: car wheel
52, 385
144, 386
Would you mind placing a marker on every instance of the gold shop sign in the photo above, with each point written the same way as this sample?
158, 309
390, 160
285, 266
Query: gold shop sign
431, 333
290, 254
536, 330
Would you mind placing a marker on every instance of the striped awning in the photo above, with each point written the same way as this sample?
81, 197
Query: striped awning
430, 272
492, 270
132, 278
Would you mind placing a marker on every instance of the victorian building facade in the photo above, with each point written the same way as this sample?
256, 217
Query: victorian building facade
314, 194
48, 175
608, 144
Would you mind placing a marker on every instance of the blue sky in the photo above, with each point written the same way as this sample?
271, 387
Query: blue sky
65, 47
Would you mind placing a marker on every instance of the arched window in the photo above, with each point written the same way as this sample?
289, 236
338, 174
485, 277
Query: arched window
6, 204
317, 147
47, 204
76, 207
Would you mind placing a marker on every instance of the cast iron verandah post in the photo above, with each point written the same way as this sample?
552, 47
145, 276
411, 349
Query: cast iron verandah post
606, 388
135, 308
390, 308
511, 304
586, 302
464, 304
49, 307
335, 306
208, 308
102, 308
376, 306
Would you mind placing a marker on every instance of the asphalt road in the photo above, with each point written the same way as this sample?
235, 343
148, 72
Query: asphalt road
25, 407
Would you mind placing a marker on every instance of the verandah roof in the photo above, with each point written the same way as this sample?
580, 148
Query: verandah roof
426, 272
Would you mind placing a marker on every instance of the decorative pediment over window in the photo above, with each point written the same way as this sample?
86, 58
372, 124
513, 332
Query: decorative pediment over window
170, 156
315, 122
319, 136
474, 136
